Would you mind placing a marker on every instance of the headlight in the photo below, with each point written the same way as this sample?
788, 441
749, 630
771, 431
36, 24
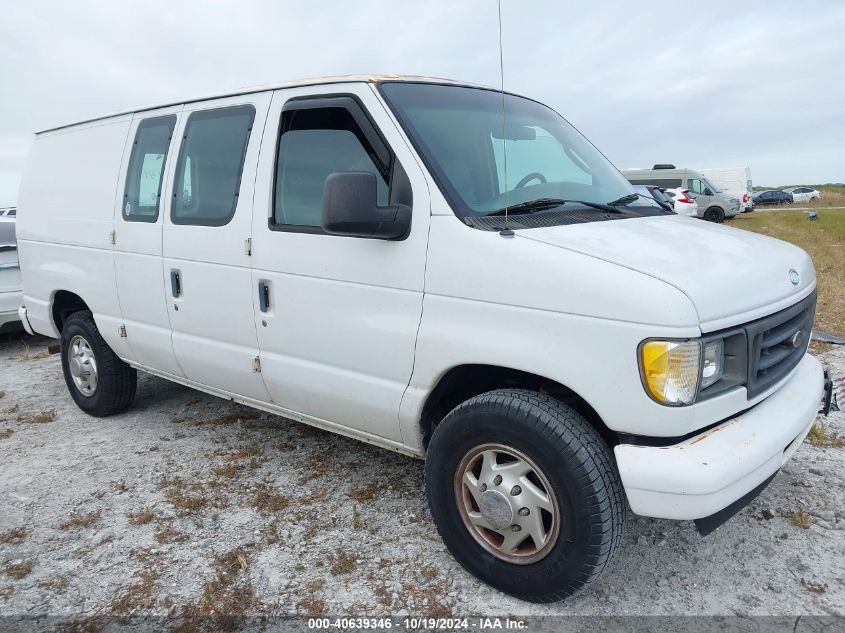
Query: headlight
714, 363
671, 370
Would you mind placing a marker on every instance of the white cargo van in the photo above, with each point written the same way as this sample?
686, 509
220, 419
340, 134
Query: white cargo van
733, 181
713, 204
355, 254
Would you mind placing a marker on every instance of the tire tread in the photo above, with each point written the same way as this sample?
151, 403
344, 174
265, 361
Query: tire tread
569, 433
117, 381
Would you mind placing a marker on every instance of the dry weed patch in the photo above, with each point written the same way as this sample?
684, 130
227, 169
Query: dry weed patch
41, 417
80, 520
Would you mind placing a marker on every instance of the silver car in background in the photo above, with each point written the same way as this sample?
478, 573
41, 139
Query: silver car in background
11, 295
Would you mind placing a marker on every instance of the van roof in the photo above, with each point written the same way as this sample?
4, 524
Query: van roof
310, 81
659, 171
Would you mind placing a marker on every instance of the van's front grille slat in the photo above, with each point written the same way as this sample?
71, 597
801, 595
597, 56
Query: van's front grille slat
777, 343
782, 332
772, 356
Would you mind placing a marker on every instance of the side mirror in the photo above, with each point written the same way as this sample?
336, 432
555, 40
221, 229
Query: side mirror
350, 207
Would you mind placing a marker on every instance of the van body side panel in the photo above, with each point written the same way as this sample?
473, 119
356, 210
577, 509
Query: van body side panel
337, 341
556, 320
65, 220
212, 319
139, 268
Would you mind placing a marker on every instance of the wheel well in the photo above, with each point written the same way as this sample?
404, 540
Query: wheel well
466, 381
64, 304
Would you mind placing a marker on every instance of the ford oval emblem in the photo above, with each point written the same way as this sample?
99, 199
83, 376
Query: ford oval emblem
794, 277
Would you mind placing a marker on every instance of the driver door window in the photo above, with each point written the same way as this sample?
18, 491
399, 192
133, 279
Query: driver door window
315, 143
699, 187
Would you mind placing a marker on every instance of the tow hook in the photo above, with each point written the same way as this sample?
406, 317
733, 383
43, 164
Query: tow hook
828, 393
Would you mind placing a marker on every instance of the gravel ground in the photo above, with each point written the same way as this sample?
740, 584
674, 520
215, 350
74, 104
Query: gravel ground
191, 506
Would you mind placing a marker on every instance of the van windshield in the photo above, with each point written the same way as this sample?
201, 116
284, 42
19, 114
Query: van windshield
463, 139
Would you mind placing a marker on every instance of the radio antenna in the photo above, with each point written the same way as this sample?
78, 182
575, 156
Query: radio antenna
507, 232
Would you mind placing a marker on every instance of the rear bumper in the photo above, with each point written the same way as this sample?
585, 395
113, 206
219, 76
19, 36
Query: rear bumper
707, 473
9, 304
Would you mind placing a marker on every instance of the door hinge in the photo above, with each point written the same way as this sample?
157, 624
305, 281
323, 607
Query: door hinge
112, 237
248, 246
256, 365
121, 331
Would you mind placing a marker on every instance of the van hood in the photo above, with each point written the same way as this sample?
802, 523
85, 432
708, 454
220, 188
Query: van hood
730, 275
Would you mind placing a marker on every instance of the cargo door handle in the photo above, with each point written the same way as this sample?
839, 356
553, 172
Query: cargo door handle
176, 283
263, 296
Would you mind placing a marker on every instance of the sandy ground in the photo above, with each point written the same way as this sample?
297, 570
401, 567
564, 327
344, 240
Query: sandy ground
191, 506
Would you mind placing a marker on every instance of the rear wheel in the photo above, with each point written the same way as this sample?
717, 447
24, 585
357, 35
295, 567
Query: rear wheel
99, 382
525, 494
715, 214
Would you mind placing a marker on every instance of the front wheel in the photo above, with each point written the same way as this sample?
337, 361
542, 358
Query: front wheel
715, 214
525, 494
99, 382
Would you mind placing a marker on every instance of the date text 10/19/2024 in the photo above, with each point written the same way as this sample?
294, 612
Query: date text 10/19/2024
414, 624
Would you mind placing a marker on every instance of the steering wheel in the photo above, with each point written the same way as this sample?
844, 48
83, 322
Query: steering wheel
534, 175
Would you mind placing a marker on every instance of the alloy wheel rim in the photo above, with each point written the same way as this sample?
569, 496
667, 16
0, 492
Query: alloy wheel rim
82, 365
507, 503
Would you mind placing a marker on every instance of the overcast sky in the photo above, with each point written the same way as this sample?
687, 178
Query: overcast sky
715, 84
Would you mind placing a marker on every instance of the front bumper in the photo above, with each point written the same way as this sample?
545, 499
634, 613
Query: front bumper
708, 472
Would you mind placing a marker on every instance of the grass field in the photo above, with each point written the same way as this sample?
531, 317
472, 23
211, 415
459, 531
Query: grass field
824, 240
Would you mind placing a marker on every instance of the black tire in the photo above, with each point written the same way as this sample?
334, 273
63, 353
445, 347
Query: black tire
714, 214
116, 382
576, 461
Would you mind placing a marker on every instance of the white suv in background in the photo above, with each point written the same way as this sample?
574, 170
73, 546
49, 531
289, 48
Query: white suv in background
683, 203
11, 295
803, 194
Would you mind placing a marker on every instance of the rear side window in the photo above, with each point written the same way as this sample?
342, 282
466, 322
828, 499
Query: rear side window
211, 160
146, 169
314, 143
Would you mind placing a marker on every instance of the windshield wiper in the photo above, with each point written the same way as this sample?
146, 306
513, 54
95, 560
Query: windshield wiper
631, 197
543, 204
540, 204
